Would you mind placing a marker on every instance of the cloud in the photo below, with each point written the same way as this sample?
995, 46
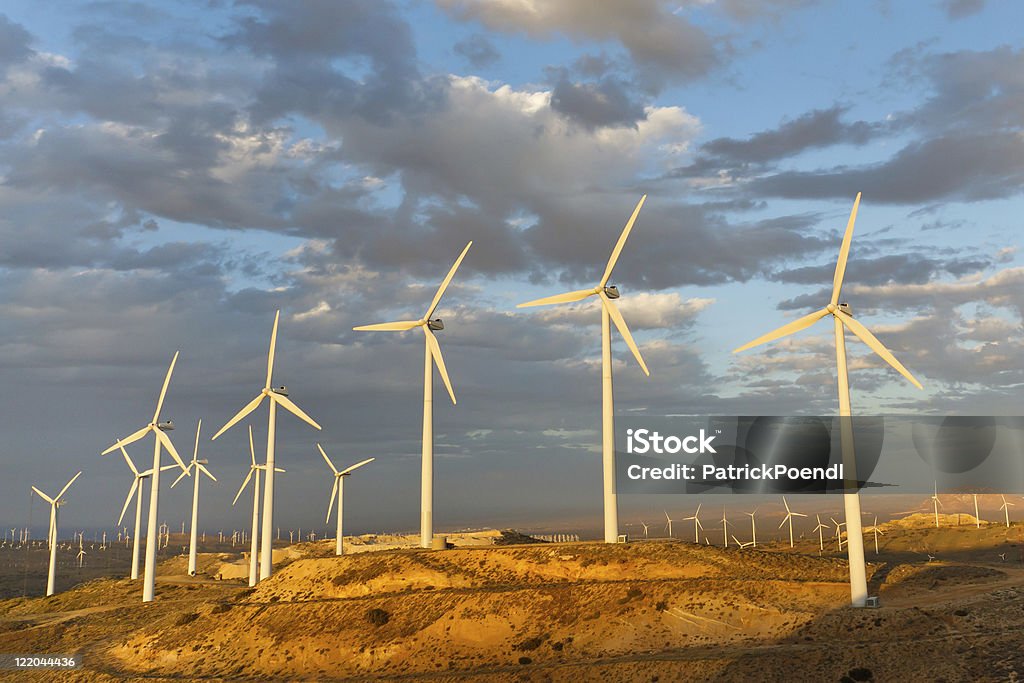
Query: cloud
958, 9
477, 50
663, 45
596, 105
642, 310
15, 42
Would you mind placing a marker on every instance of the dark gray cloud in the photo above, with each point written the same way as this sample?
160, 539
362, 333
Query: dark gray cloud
597, 105
15, 42
958, 9
477, 50
907, 268
964, 167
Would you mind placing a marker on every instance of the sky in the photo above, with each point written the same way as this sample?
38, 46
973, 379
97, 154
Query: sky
173, 173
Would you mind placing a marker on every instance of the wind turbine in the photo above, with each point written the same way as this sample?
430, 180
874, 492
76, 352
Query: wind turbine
725, 527
277, 396
55, 503
140, 478
200, 467
839, 533
160, 440
977, 517
432, 354
753, 527
936, 503
668, 523
336, 492
789, 518
876, 531
820, 528
843, 319
255, 535
645, 529
697, 526
1005, 507
609, 313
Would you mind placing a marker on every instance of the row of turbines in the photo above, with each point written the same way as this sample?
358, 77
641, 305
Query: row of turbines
843, 321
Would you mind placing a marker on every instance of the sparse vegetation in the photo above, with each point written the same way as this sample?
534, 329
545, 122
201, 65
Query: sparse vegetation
377, 616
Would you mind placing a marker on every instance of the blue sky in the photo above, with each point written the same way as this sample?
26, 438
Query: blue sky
172, 173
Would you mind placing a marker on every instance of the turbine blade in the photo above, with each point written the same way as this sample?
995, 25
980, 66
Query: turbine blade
865, 336
163, 390
446, 282
166, 442
207, 472
251, 406
184, 473
273, 346
329, 463
785, 330
334, 493
244, 483
357, 465
435, 352
195, 451
43, 495
620, 324
278, 469
132, 438
128, 500
844, 253
68, 485
398, 326
252, 448
622, 241
783, 521
131, 465
568, 297
293, 409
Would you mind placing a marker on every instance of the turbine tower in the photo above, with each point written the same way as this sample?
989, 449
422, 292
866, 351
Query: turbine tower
668, 523
254, 535
55, 503
140, 478
609, 313
432, 355
753, 527
842, 320
199, 466
789, 518
160, 439
278, 397
337, 493
1005, 507
697, 526
936, 503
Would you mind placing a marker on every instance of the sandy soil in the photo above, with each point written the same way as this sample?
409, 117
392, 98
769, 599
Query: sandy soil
653, 611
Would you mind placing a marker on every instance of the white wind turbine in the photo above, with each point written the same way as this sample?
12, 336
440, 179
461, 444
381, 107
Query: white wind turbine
136, 487
843, 319
609, 313
254, 536
1005, 507
839, 532
753, 527
697, 526
820, 528
875, 531
160, 440
199, 466
55, 503
337, 492
789, 518
936, 503
278, 396
432, 355
645, 529
668, 523
977, 517
725, 527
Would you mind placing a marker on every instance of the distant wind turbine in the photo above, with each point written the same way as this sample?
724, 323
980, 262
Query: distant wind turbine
432, 355
936, 503
697, 526
875, 531
338, 493
1005, 507
609, 313
254, 537
753, 527
278, 396
820, 528
843, 319
55, 503
195, 467
789, 518
136, 488
668, 523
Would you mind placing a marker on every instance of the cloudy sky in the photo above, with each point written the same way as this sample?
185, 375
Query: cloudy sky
173, 173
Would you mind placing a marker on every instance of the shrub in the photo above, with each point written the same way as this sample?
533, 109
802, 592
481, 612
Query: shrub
377, 616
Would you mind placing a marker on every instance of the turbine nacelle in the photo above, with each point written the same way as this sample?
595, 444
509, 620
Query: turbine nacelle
612, 292
165, 426
280, 391
435, 325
